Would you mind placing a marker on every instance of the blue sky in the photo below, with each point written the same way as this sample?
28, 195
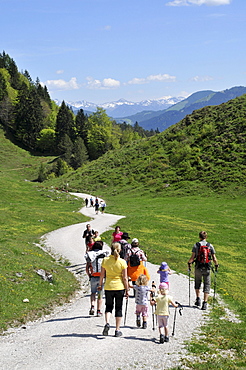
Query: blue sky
104, 50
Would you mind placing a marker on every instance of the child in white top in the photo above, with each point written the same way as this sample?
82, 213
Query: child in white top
162, 302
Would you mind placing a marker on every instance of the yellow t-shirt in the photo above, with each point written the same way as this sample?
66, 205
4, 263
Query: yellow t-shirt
114, 270
162, 304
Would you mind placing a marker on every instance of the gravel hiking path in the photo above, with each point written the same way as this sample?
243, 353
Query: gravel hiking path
70, 338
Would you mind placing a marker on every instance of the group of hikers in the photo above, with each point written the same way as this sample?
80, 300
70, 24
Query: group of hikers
95, 203
115, 272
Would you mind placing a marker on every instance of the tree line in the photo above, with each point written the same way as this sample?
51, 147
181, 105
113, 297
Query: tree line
36, 123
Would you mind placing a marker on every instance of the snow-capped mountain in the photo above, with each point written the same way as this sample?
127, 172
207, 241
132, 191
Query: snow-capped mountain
123, 108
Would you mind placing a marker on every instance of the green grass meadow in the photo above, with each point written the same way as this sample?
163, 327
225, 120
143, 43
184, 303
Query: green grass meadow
27, 212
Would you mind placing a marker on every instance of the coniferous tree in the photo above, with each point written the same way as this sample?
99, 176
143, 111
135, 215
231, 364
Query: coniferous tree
29, 117
80, 154
64, 126
65, 148
81, 125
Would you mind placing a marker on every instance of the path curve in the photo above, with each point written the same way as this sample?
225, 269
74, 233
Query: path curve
70, 338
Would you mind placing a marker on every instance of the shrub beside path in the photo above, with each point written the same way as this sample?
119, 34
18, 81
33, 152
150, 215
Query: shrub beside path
70, 338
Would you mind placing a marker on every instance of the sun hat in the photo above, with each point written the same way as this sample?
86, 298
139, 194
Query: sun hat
125, 236
134, 240
163, 266
163, 286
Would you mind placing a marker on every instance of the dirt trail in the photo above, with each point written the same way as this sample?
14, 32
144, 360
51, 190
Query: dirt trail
71, 338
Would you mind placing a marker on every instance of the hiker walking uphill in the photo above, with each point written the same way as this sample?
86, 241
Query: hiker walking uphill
141, 298
135, 257
162, 302
94, 260
125, 246
202, 253
114, 269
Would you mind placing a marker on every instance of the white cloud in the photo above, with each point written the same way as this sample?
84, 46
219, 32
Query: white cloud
106, 83
106, 28
159, 77
201, 78
198, 2
60, 71
62, 85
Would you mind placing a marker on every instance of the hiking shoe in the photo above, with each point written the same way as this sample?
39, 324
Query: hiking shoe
166, 339
198, 301
106, 329
138, 322
161, 338
91, 312
145, 325
99, 313
118, 333
204, 305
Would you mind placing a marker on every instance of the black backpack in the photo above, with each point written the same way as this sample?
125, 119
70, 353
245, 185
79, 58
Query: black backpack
124, 248
134, 259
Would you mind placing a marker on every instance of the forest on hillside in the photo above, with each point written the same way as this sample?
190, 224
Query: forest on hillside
33, 121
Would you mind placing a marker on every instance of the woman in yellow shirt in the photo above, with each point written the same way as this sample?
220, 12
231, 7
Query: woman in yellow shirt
114, 269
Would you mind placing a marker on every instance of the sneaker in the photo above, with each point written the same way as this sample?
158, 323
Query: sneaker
106, 329
204, 305
138, 322
118, 333
91, 312
198, 301
166, 339
161, 338
99, 313
145, 325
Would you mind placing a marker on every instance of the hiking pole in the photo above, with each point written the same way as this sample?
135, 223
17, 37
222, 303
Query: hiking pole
189, 270
215, 282
152, 296
175, 314
126, 311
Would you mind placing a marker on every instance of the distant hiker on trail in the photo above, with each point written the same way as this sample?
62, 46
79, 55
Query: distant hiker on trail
96, 206
135, 257
202, 253
86, 202
124, 245
116, 234
103, 206
91, 202
94, 260
114, 269
162, 302
89, 232
141, 298
96, 237
164, 271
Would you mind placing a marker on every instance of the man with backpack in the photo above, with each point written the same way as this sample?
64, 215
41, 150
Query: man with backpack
135, 257
203, 253
94, 260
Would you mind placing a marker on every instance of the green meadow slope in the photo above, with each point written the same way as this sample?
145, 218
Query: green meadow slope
204, 150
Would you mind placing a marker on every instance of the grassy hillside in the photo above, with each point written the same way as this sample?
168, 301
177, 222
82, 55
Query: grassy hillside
203, 152
27, 212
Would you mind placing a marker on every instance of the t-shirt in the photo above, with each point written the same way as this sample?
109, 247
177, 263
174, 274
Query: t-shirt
164, 278
162, 304
134, 271
114, 268
141, 296
117, 236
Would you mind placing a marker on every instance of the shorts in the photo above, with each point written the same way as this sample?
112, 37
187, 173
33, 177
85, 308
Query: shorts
162, 321
142, 309
94, 284
202, 274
